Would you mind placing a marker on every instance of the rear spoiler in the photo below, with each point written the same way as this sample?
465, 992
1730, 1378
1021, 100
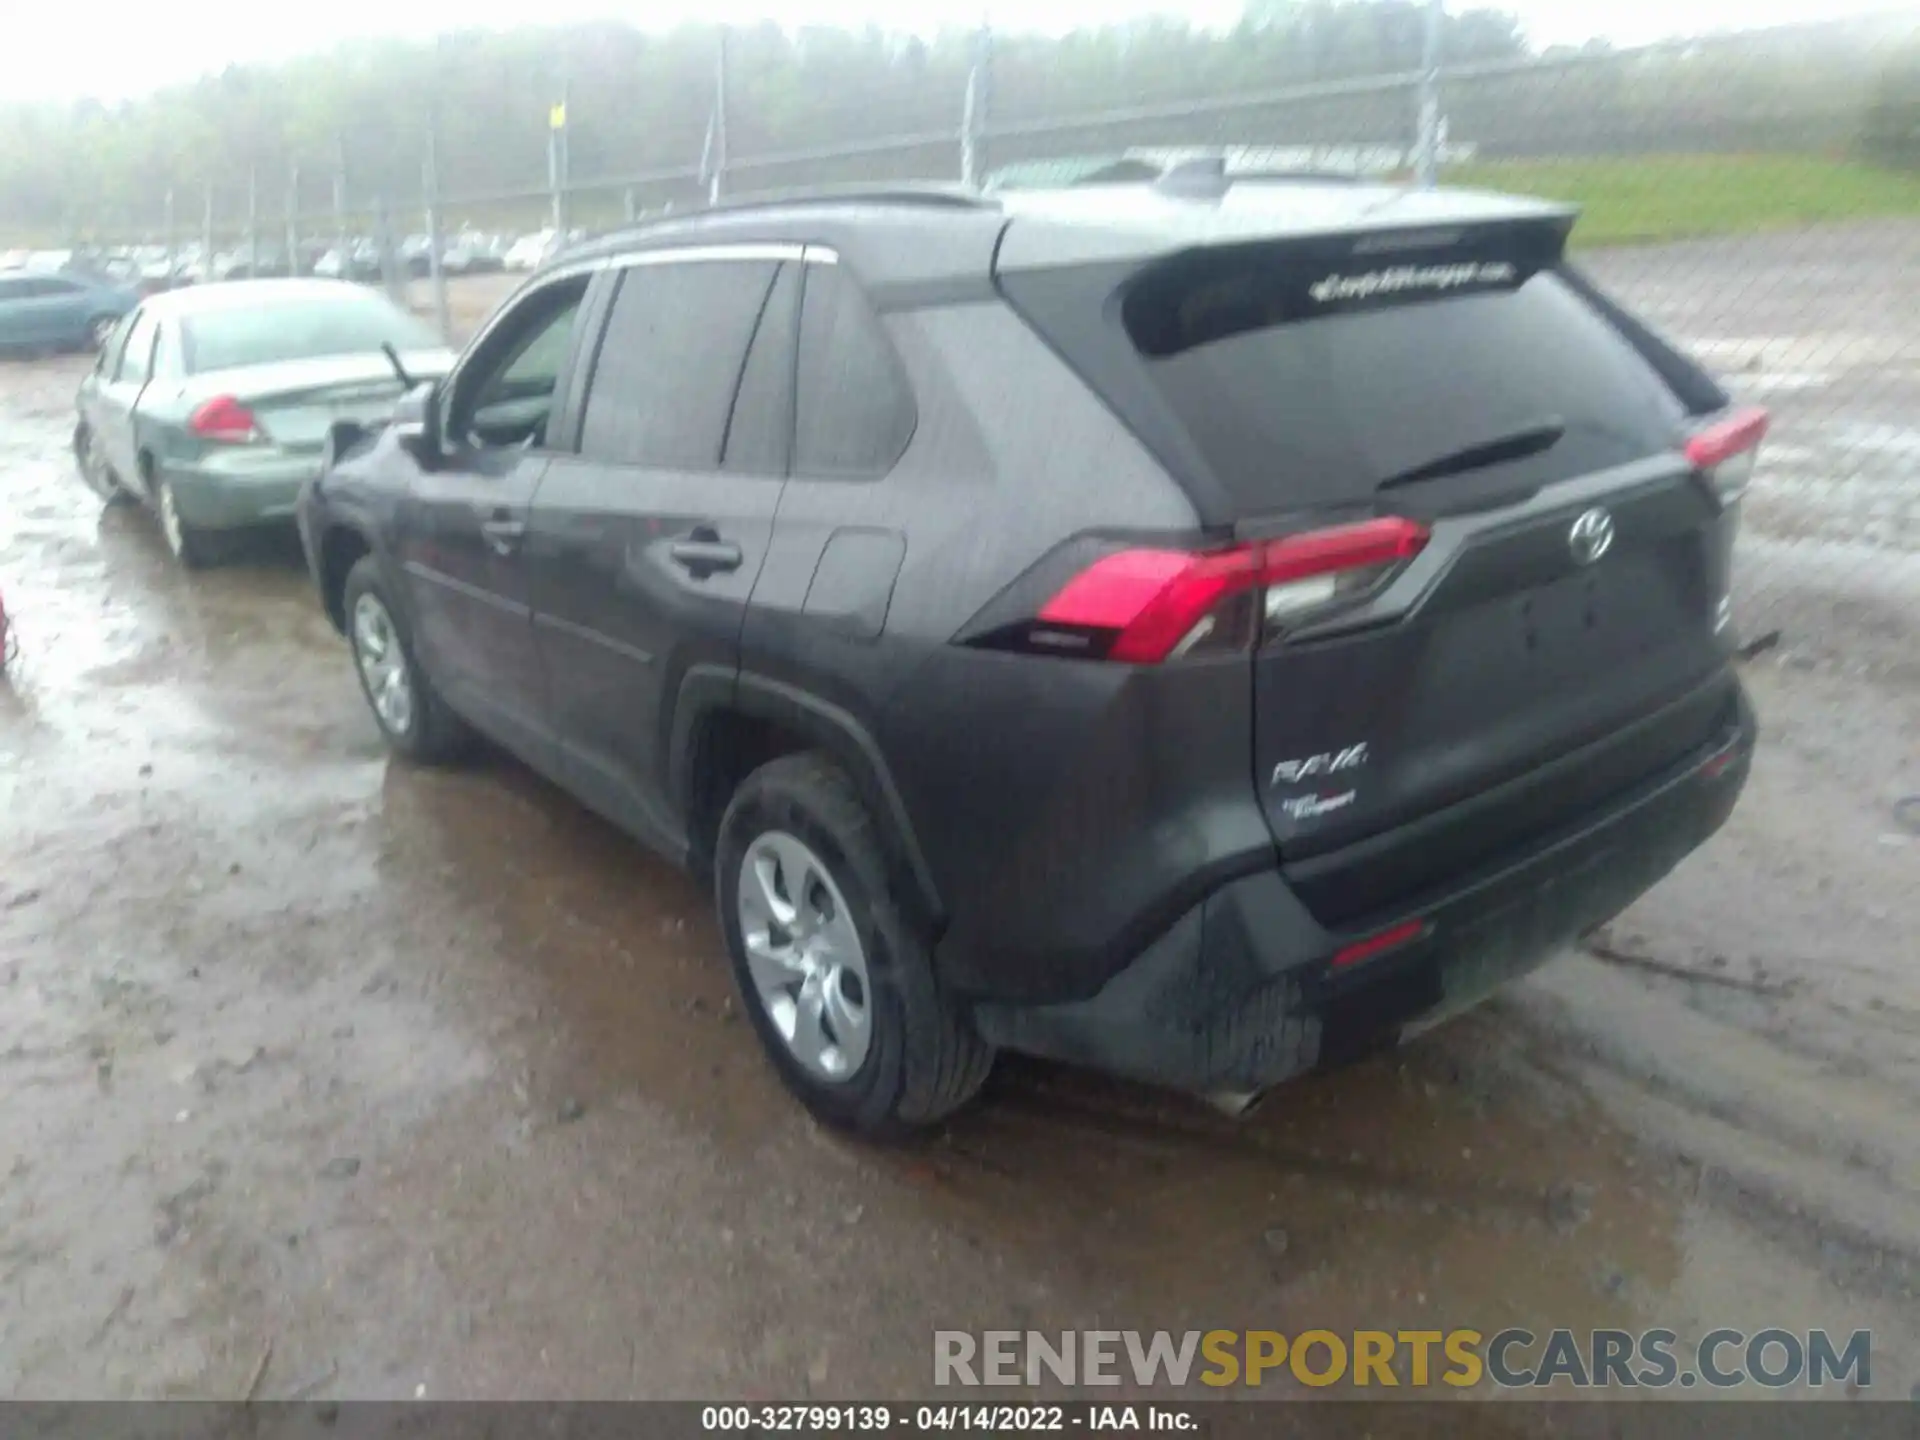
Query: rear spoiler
1207, 293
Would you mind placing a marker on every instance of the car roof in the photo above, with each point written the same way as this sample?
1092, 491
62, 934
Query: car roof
919, 241
240, 294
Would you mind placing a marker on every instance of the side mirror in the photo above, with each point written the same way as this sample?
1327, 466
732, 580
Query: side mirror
416, 424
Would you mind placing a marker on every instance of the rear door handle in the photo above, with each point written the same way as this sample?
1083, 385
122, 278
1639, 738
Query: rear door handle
504, 533
705, 556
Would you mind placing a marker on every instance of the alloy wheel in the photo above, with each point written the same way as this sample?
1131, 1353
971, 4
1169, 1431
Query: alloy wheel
383, 665
809, 968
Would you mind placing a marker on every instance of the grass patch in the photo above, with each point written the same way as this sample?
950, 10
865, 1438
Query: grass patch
1675, 197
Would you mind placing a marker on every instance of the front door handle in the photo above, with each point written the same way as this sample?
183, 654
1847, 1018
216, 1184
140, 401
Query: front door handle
705, 553
504, 533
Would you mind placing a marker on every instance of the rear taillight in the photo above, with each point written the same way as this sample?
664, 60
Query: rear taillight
224, 418
1403, 934
1145, 606
1724, 452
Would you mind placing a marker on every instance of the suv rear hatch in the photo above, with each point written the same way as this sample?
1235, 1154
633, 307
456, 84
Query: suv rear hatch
1484, 580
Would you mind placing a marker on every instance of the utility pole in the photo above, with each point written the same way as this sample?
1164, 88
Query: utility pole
206, 236
1426, 163
172, 248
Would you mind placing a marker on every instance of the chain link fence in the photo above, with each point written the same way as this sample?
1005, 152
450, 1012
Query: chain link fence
1756, 195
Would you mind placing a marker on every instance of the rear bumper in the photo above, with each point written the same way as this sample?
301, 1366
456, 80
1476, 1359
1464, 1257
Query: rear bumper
1242, 991
236, 490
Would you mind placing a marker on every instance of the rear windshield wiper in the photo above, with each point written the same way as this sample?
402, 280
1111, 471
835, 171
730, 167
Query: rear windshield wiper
1514, 446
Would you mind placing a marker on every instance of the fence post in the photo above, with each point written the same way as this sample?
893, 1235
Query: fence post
390, 275
556, 127
293, 220
253, 219
341, 241
206, 237
436, 269
973, 116
717, 129
631, 202
172, 247
1427, 142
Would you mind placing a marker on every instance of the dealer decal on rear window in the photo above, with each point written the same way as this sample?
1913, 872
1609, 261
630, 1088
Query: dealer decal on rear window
1402, 279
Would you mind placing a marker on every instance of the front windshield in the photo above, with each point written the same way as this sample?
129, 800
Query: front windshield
308, 327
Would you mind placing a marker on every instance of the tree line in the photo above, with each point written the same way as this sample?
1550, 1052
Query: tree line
640, 101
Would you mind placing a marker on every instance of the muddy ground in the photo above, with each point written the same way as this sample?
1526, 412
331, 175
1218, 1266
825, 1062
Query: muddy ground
330, 1076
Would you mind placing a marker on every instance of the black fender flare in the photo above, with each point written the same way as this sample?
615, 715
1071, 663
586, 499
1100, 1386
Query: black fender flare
708, 688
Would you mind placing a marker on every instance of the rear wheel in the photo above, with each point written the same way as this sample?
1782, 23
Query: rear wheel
409, 711
838, 983
189, 545
94, 468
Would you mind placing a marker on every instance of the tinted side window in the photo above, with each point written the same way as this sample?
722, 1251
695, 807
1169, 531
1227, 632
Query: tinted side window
138, 356
854, 408
670, 362
761, 431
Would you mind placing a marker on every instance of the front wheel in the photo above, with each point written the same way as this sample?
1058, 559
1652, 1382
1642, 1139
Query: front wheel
409, 711
838, 982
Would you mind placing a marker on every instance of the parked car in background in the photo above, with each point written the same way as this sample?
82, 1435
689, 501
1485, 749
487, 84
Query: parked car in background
211, 405
60, 310
1205, 630
470, 254
529, 252
265, 264
359, 261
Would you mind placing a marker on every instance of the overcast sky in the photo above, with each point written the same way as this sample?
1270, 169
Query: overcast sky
56, 49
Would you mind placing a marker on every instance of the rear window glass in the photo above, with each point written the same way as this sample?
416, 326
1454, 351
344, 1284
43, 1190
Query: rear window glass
355, 322
1508, 379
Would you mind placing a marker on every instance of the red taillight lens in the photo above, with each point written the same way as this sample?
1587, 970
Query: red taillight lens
223, 418
1152, 599
1404, 934
1160, 603
1724, 452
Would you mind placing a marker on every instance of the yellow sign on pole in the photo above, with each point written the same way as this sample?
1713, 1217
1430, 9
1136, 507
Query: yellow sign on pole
557, 117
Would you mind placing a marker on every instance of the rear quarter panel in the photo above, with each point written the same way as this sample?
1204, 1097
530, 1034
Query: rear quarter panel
1056, 802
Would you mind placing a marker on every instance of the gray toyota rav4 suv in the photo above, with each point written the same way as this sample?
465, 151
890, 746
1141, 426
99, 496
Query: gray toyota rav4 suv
1201, 629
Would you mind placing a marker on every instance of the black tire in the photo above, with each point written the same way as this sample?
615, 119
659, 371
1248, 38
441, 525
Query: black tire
190, 546
924, 1060
433, 734
94, 468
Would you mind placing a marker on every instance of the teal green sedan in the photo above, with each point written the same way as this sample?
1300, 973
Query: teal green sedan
211, 406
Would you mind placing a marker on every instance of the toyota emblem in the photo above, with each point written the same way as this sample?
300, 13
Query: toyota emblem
1591, 536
